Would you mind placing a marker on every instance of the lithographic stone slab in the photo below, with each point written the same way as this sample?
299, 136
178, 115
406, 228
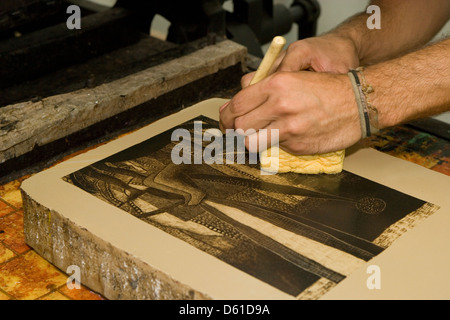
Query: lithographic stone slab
140, 225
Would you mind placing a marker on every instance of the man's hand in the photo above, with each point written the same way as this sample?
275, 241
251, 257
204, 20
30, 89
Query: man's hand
299, 103
317, 113
314, 112
328, 53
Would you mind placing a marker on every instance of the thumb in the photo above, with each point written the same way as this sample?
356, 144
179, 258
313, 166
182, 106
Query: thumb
294, 60
246, 79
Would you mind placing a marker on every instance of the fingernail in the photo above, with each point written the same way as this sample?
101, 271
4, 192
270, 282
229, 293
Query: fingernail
224, 106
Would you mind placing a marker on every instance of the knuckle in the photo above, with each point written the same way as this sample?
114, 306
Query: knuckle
296, 128
235, 106
278, 81
283, 107
302, 47
297, 45
291, 128
239, 123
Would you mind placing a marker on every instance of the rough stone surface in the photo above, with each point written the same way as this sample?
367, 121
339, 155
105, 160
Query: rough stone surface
26, 125
112, 272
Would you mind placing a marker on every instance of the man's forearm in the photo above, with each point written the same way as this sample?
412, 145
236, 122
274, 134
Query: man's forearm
405, 25
413, 86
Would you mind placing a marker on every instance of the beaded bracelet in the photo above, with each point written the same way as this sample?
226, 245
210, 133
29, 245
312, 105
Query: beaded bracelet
368, 114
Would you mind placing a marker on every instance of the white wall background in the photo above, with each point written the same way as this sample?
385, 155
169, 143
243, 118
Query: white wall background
333, 12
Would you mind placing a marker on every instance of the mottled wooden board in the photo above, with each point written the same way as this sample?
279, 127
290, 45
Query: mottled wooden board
29, 125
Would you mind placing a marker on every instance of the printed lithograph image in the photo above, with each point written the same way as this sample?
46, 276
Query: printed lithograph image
302, 234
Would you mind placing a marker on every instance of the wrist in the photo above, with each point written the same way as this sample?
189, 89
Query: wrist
347, 107
346, 45
368, 113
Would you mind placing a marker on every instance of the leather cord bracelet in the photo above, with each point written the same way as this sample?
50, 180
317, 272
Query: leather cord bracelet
373, 112
368, 114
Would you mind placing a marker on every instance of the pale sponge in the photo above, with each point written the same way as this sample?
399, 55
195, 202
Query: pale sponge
275, 160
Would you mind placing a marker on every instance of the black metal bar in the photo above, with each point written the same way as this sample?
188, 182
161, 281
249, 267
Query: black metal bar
46, 50
435, 127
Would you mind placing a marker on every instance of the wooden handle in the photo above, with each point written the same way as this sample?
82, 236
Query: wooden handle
269, 58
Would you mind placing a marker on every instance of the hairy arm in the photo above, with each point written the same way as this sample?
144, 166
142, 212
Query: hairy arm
316, 112
413, 86
405, 25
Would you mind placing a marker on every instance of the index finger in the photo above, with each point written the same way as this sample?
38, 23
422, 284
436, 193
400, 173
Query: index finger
242, 103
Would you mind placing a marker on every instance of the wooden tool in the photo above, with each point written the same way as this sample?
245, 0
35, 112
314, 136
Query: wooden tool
275, 159
269, 58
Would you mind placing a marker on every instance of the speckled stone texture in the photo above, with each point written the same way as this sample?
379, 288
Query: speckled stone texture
110, 271
113, 273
